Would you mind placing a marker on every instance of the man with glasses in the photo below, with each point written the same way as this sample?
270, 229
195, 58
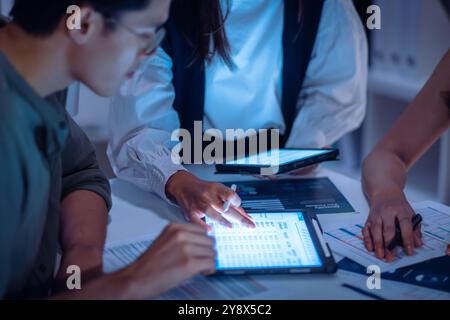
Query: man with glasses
150, 42
52, 192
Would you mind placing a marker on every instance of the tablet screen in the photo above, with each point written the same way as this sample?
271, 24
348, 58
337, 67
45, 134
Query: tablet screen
280, 240
277, 158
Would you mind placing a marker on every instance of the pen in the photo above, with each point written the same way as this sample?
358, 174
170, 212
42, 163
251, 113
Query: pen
397, 241
227, 204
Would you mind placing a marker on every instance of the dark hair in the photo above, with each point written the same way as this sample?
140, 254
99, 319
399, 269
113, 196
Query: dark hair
203, 25
446, 4
41, 17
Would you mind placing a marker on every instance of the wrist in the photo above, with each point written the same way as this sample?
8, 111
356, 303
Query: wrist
138, 285
175, 184
387, 195
87, 258
83, 250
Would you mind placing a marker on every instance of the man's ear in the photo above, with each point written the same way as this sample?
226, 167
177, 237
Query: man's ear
82, 23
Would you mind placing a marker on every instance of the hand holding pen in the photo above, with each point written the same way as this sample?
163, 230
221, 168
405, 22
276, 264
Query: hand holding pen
227, 203
198, 198
226, 208
389, 213
397, 241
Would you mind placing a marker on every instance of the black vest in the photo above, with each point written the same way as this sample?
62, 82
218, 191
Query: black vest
298, 42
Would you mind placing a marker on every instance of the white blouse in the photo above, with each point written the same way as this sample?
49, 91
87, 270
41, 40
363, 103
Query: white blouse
332, 101
248, 96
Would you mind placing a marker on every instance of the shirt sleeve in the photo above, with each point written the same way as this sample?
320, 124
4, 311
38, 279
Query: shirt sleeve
81, 170
332, 101
142, 120
9, 210
13, 182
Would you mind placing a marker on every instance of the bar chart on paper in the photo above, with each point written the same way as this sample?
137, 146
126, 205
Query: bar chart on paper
347, 239
436, 223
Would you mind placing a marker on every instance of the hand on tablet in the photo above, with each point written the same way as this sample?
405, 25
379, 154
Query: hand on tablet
304, 171
307, 170
198, 198
180, 252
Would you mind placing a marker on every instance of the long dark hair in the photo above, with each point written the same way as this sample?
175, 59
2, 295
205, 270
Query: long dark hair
203, 24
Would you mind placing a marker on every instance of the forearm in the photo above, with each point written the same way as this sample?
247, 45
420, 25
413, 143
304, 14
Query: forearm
383, 173
145, 162
386, 167
84, 218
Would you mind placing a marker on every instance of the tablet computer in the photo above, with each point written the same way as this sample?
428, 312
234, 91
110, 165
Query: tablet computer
278, 161
282, 242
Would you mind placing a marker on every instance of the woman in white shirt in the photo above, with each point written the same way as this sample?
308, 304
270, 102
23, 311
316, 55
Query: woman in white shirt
296, 66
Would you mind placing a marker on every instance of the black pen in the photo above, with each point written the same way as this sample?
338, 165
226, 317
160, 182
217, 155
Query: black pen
397, 241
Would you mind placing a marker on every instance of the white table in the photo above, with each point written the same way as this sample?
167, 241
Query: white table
137, 213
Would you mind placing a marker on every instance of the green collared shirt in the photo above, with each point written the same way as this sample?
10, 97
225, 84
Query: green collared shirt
44, 156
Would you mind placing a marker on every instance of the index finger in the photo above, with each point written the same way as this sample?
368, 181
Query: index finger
368, 242
376, 232
216, 216
407, 233
388, 229
235, 214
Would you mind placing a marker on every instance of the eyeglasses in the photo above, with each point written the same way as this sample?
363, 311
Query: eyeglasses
151, 43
